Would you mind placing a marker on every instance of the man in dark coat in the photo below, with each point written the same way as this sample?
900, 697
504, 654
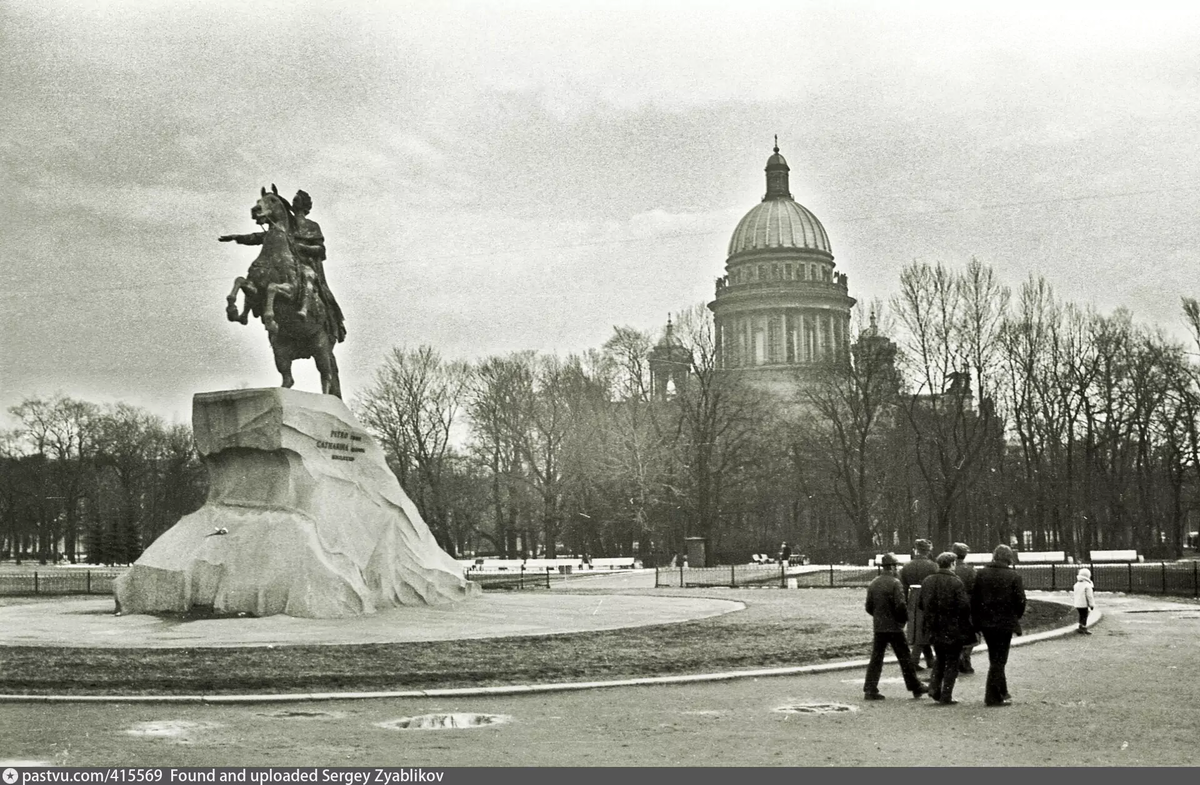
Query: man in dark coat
966, 574
997, 605
946, 613
911, 575
886, 604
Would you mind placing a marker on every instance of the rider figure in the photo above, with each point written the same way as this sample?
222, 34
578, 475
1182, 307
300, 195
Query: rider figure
310, 248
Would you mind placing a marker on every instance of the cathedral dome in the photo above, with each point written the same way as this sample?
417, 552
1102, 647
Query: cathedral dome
779, 223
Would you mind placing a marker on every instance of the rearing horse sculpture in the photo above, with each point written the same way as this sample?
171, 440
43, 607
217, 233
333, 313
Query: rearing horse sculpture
274, 289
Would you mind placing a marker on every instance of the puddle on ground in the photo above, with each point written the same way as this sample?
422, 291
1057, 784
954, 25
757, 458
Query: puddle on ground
888, 680
304, 714
702, 713
26, 764
444, 721
817, 708
176, 730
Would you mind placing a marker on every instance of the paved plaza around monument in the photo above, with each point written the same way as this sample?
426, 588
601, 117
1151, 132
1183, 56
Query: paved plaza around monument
91, 623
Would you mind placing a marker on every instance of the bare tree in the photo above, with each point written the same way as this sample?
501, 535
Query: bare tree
413, 406
714, 430
495, 386
954, 438
855, 404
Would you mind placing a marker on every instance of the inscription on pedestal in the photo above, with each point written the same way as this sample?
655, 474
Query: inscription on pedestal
338, 450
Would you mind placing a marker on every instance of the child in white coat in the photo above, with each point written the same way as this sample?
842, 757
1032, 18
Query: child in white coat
1085, 599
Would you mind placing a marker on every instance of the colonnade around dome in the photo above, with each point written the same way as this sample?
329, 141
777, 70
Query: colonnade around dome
794, 336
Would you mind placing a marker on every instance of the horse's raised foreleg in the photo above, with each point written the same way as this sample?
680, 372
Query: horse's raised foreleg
268, 314
231, 311
246, 288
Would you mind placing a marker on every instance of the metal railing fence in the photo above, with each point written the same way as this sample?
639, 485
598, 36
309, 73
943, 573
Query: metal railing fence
1177, 579
769, 575
510, 579
67, 582
58, 582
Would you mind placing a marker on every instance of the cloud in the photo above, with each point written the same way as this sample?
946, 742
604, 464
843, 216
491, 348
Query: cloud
524, 175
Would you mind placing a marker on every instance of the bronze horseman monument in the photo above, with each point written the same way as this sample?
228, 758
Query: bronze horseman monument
303, 515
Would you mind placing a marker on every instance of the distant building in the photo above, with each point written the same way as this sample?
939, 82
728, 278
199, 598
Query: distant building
670, 364
781, 308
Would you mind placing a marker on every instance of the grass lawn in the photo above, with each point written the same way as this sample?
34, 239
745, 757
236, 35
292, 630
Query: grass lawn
778, 627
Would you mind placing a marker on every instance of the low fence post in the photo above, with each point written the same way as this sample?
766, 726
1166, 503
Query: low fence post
35, 582
782, 576
521, 578
1164, 578
656, 576
1129, 566
89, 581
733, 576
1053, 586
1195, 577
831, 576
681, 575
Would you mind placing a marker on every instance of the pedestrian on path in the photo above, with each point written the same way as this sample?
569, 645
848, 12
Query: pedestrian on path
889, 610
911, 575
997, 605
946, 613
966, 574
1085, 598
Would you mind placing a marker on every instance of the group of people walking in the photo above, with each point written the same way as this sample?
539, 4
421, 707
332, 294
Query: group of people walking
952, 607
942, 607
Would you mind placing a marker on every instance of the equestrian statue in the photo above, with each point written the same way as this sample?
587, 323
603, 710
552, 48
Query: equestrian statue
286, 287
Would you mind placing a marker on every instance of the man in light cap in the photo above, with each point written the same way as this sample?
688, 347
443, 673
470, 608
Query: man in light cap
888, 608
966, 574
997, 605
911, 575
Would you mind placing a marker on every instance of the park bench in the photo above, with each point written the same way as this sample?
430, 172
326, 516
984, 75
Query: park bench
1041, 557
1023, 557
613, 563
1130, 555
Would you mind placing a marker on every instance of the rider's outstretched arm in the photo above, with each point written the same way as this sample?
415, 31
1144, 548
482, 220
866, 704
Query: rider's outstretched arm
243, 239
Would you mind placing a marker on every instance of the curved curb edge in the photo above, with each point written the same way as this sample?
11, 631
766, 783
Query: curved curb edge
514, 689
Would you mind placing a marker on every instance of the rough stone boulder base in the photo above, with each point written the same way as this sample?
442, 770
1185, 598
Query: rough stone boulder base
303, 517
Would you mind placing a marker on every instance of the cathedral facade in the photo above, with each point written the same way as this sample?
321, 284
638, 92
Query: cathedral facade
781, 308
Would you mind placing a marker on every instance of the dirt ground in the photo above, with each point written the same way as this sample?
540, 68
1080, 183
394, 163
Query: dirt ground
1125, 696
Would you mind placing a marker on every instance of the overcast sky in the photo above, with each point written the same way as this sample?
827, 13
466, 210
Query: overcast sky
525, 175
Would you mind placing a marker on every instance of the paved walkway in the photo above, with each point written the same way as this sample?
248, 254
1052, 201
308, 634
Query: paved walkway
1127, 695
